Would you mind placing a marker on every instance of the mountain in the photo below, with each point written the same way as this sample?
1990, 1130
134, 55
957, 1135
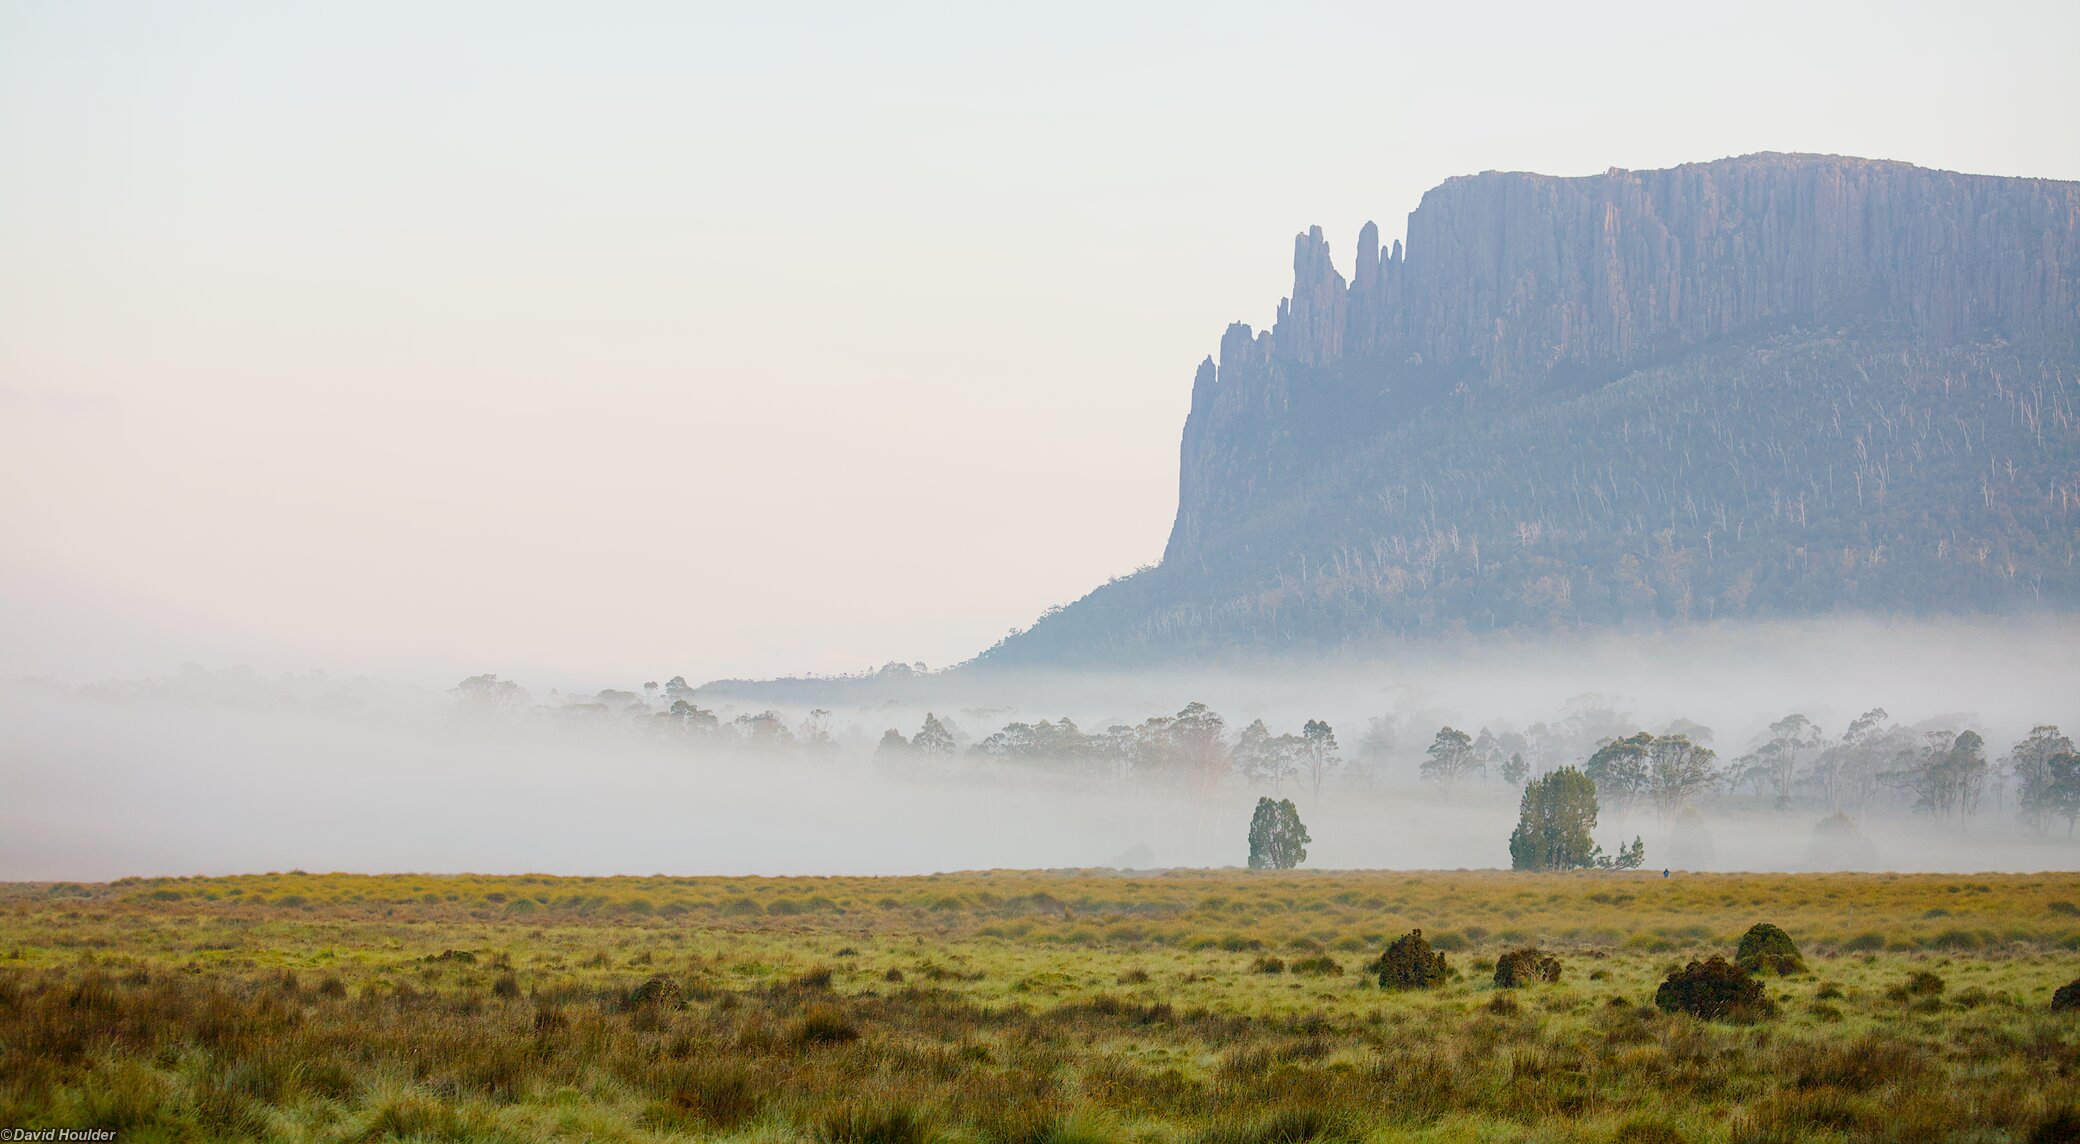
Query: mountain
1764, 386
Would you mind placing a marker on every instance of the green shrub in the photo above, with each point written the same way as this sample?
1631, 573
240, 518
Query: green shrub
1410, 963
1322, 966
1767, 949
1713, 989
1268, 964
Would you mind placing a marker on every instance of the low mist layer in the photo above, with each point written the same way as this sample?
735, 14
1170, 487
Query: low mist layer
232, 771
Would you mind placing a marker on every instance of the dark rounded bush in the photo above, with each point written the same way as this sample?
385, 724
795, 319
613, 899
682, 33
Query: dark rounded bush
2060, 1127
1410, 963
1767, 949
1521, 967
659, 992
1712, 989
2066, 997
1268, 964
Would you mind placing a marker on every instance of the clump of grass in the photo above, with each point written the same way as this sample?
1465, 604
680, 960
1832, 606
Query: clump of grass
1861, 1065
1286, 1126
815, 980
1320, 966
657, 992
1648, 1130
824, 1025
714, 1094
1920, 983
866, 1121
1270, 963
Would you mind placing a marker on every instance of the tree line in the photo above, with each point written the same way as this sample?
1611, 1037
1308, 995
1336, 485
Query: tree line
1946, 774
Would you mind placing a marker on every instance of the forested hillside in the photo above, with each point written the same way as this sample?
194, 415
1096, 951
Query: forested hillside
1765, 386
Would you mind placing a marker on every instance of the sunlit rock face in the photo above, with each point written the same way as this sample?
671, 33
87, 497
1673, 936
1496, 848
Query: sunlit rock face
1770, 385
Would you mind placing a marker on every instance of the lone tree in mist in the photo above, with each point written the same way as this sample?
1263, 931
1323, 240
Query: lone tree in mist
1448, 757
933, 738
1277, 840
1554, 822
1318, 757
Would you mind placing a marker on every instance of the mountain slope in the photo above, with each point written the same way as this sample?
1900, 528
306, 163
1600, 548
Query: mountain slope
1779, 384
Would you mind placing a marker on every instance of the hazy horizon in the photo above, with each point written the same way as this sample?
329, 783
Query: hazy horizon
332, 774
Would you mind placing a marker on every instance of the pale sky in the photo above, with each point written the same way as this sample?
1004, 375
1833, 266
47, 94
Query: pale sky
594, 343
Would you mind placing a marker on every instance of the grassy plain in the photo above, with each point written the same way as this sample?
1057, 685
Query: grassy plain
1026, 1007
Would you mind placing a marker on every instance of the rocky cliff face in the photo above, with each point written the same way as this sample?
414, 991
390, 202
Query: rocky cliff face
1766, 386
1511, 280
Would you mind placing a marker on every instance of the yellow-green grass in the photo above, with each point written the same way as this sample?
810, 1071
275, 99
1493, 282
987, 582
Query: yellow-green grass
1025, 1006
